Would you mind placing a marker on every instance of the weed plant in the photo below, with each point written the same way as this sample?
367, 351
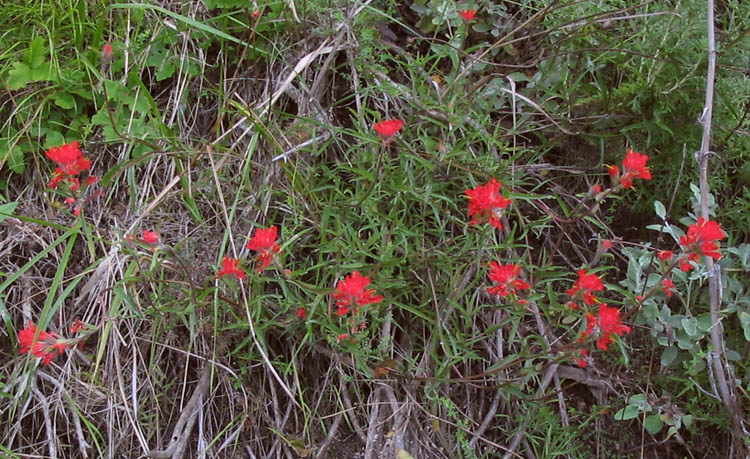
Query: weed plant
348, 229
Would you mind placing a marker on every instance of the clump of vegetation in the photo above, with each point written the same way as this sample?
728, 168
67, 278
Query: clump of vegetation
335, 229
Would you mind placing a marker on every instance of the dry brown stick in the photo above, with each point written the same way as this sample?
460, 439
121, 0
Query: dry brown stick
725, 384
184, 425
44, 404
371, 449
346, 398
83, 445
323, 447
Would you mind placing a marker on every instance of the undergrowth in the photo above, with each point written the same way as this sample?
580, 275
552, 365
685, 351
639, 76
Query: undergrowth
243, 261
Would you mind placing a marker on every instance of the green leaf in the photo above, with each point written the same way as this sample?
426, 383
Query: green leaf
745, 322
54, 139
188, 21
629, 412
690, 325
687, 420
37, 53
19, 76
64, 100
42, 72
661, 211
668, 356
166, 70
15, 157
704, 323
6, 210
653, 424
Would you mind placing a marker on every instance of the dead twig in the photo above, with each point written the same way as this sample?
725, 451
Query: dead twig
181, 433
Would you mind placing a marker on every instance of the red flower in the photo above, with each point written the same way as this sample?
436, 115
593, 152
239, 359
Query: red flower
614, 173
107, 52
607, 323
583, 361
487, 202
230, 267
634, 166
71, 161
607, 244
301, 313
585, 286
150, 237
351, 292
264, 242
700, 240
77, 326
506, 277
596, 189
664, 255
44, 346
667, 285
468, 15
387, 128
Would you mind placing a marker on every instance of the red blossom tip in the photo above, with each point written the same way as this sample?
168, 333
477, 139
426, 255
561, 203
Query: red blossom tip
352, 291
264, 242
44, 346
468, 15
150, 237
486, 203
387, 128
230, 267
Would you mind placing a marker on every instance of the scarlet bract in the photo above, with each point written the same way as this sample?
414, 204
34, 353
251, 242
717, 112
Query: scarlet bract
230, 267
44, 346
486, 202
387, 128
264, 242
351, 291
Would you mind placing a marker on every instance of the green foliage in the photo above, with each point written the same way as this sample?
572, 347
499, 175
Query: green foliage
540, 111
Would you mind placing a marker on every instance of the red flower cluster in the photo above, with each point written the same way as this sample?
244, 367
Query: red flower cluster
468, 15
230, 267
107, 52
583, 361
264, 242
634, 166
667, 286
486, 202
387, 128
584, 288
44, 346
71, 162
603, 326
506, 278
351, 292
700, 240
150, 237
665, 255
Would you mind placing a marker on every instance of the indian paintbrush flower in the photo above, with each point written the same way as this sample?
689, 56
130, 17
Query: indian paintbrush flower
486, 202
352, 292
44, 346
700, 240
584, 288
264, 242
230, 267
506, 278
467, 15
71, 162
604, 325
